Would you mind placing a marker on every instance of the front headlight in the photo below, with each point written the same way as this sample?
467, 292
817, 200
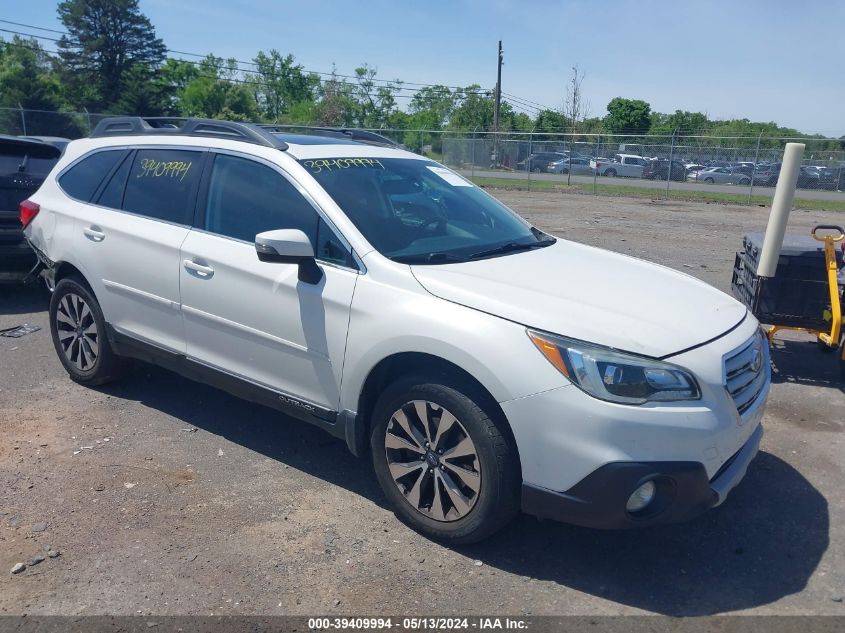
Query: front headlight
615, 376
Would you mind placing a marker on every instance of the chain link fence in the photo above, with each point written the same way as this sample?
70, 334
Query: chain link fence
695, 167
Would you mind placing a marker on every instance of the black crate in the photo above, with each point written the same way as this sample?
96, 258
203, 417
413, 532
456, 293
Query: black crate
801, 257
797, 296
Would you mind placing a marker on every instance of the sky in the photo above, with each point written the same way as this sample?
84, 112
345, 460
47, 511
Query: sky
765, 60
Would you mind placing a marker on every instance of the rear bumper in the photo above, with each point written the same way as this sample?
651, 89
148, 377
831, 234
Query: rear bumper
683, 491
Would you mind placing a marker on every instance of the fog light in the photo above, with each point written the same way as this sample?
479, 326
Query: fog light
642, 497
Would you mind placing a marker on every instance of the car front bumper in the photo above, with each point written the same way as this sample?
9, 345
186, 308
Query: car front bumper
683, 492
582, 458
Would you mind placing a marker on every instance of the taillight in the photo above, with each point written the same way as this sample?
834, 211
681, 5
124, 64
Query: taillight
28, 211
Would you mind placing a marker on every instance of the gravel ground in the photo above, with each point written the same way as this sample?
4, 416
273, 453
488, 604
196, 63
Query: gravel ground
164, 496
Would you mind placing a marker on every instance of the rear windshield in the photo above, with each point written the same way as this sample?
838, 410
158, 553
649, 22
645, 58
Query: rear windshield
32, 159
416, 211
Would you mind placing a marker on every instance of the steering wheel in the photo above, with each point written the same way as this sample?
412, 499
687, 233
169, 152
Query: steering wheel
437, 224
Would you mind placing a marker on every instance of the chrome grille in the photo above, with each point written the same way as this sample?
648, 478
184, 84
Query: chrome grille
747, 371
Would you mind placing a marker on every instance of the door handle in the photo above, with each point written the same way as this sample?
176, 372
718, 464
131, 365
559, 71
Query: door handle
205, 272
94, 234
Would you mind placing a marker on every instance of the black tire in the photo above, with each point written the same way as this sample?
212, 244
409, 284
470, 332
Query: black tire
536, 170
498, 499
610, 173
744, 182
94, 362
709, 181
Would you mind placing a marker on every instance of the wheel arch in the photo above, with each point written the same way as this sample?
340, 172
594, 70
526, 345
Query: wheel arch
403, 364
64, 269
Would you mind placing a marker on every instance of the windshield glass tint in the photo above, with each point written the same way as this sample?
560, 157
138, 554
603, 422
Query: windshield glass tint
416, 211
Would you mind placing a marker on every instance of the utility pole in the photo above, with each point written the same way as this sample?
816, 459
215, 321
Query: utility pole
498, 96
498, 90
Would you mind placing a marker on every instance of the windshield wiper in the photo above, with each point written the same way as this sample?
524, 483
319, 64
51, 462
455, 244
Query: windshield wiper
429, 258
510, 247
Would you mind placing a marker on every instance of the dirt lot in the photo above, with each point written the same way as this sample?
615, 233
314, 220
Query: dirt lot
168, 497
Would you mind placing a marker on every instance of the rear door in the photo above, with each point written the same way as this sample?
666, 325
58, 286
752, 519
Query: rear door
129, 237
256, 320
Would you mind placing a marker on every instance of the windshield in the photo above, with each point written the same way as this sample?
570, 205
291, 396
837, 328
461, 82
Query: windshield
416, 211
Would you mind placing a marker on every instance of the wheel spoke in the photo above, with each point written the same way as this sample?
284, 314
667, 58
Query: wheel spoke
437, 504
413, 494
85, 313
421, 407
400, 469
83, 355
469, 478
76, 353
464, 448
461, 503
402, 420
64, 306
447, 421
73, 301
394, 441
91, 347
63, 317
65, 335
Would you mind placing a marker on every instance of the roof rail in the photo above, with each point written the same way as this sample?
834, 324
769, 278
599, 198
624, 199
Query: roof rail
179, 126
364, 136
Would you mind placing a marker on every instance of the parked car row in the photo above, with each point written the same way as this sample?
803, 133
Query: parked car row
709, 172
24, 164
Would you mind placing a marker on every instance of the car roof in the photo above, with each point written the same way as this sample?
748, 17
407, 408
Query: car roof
307, 139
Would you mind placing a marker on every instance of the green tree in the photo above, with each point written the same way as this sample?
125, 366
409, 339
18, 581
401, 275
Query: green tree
434, 105
627, 116
474, 110
106, 40
217, 92
372, 102
682, 121
335, 105
28, 80
279, 84
551, 121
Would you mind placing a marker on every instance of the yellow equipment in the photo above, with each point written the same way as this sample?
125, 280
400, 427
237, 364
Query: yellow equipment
829, 340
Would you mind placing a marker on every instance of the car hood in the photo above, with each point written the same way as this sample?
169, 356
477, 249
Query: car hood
592, 295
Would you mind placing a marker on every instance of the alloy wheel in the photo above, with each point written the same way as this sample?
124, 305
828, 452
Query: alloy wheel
433, 460
77, 332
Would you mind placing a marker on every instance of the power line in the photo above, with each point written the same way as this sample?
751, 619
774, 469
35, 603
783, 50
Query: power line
37, 28
523, 103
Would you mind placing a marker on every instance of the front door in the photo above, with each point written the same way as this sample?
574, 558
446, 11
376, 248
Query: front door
257, 320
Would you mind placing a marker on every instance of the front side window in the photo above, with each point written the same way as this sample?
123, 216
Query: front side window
162, 184
246, 198
416, 211
83, 179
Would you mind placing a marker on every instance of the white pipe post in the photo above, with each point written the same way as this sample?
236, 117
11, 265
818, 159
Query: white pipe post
781, 206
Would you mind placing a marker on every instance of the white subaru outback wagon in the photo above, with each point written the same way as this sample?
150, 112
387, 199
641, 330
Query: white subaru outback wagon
484, 365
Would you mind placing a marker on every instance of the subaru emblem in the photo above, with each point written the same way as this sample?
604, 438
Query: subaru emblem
756, 361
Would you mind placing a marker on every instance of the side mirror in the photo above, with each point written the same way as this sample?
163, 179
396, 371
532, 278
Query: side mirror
289, 246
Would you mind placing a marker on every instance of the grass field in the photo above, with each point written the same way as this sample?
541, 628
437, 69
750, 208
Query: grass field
653, 193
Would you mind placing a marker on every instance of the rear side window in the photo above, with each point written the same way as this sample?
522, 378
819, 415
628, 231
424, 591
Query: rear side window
83, 179
112, 195
162, 184
246, 198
